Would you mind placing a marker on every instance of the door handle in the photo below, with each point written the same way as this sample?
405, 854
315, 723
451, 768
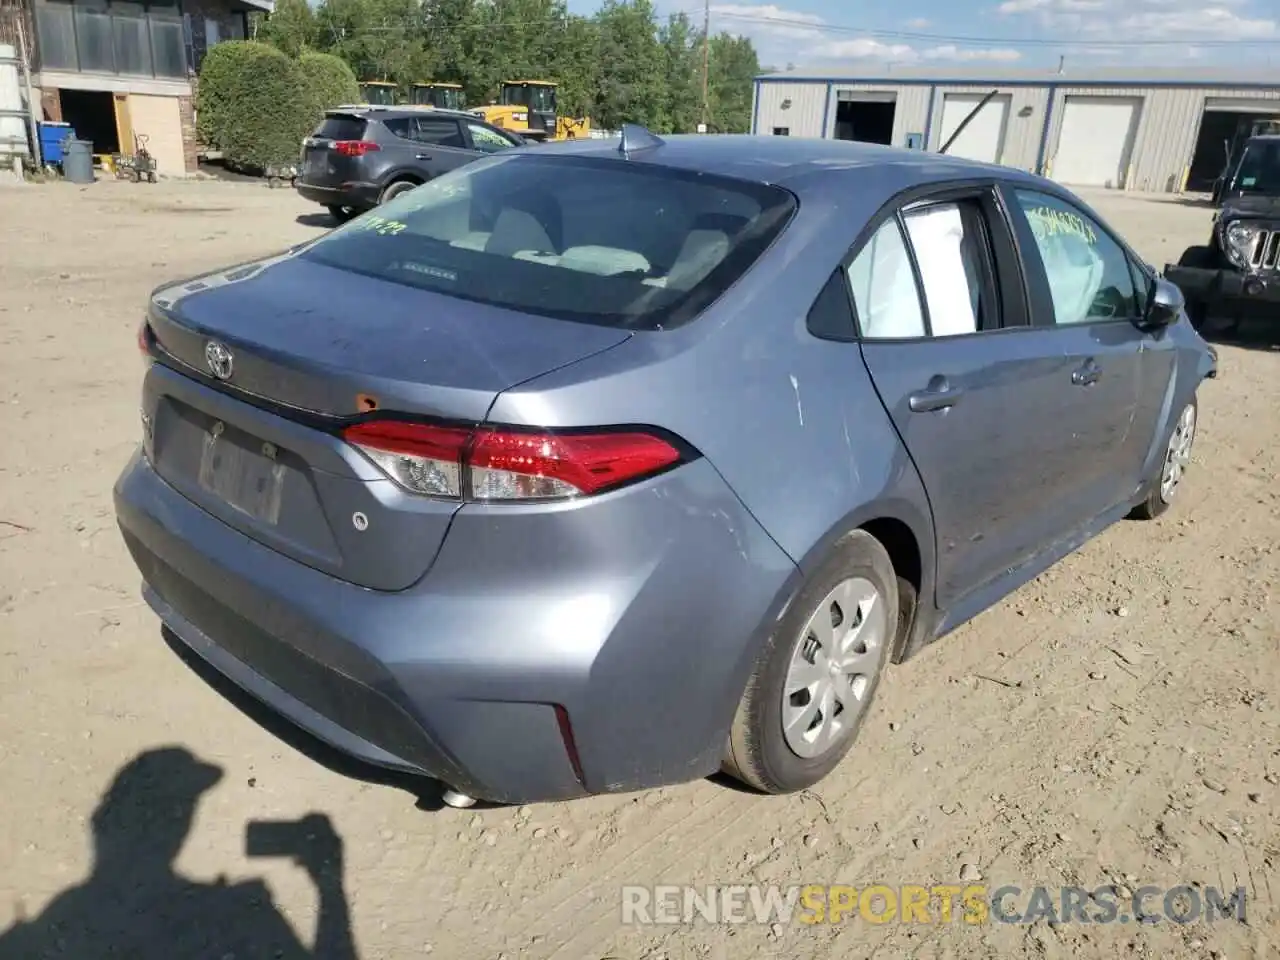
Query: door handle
1086, 375
422, 156
934, 398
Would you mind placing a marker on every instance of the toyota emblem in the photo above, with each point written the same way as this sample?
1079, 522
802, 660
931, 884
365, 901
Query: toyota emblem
219, 359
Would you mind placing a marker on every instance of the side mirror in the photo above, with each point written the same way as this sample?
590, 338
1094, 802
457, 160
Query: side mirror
1167, 304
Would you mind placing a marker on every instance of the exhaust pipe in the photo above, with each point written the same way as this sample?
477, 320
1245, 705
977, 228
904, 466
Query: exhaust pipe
459, 801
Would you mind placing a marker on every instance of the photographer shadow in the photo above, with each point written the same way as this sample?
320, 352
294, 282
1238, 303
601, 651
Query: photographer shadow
135, 905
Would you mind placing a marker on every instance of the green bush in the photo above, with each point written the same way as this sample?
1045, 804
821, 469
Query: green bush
327, 81
251, 104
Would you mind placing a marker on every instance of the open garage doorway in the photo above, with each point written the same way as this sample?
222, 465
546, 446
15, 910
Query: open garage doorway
1223, 128
92, 115
866, 117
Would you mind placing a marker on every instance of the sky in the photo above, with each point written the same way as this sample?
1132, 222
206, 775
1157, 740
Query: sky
1002, 33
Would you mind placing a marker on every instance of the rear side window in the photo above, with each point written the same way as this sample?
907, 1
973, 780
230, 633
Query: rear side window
340, 128
445, 133
435, 130
598, 240
884, 287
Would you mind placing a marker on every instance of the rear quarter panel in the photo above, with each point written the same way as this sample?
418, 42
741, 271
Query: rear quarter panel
791, 423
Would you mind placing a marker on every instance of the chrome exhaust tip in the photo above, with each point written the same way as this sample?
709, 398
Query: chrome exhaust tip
459, 801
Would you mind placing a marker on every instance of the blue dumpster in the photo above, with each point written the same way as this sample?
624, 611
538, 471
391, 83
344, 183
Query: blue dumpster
51, 136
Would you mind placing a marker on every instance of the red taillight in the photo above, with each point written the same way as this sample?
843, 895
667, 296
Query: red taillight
144, 340
354, 148
496, 464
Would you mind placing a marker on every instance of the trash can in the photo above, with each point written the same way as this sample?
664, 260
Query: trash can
77, 163
52, 136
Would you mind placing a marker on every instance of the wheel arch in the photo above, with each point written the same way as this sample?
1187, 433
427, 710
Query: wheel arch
906, 533
402, 175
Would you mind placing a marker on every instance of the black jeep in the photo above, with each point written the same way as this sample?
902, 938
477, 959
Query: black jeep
1237, 275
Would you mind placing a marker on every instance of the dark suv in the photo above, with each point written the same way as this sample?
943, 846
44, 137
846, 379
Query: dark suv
1236, 276
360, 157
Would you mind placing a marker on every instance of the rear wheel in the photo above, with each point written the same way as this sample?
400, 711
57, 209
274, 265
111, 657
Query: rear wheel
1177, 457
340, 213
393, 190
814, 681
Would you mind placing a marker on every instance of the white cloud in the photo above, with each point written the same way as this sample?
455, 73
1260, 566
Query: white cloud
790, 36
753, 20
989, 54
1152, 20
862, 48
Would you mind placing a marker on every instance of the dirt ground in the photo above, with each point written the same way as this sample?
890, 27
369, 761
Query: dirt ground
1119, 718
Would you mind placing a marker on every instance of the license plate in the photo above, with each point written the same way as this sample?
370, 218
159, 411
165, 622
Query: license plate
244, 473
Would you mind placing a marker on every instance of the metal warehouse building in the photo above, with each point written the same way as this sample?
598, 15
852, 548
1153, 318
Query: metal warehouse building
1137, 130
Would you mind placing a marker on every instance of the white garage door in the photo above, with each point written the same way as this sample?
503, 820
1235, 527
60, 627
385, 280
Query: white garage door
983, 138
1096, 140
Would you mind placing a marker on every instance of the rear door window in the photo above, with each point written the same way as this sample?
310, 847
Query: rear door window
340, 128
598, 240
948, 245
437, 130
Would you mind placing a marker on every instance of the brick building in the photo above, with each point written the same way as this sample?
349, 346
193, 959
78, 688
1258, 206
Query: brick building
115, 68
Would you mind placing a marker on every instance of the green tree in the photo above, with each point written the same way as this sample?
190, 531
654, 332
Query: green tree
250, 104
327, 81
734, 66
291, 27
379, 39
630, 87
682, 61
576, 66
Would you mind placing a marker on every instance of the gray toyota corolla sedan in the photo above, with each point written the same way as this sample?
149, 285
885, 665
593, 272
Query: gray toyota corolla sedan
611, 464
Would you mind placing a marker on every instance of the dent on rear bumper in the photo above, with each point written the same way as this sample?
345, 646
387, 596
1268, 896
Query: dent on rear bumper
639, 611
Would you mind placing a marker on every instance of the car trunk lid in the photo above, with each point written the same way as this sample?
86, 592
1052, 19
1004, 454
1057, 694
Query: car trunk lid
323, 162
261, 364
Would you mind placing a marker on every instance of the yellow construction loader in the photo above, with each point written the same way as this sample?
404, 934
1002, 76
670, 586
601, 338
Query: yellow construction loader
379, 93
444, 96
528, 108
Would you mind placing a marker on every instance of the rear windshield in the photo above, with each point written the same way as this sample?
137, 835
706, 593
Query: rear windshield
612, 242
340, 128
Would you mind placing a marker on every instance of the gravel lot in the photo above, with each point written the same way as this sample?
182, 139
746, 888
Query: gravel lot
1117, 718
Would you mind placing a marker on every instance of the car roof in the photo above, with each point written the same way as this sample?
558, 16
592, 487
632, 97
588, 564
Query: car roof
800, 164
376, 112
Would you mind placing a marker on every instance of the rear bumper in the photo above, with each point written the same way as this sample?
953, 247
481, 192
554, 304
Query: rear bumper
361, 195
1211, 286
639, 630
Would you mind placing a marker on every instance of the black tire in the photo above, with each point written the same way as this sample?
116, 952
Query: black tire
1155, 503
758, 753
393, 190
1201, 258
341, 214
1197, 312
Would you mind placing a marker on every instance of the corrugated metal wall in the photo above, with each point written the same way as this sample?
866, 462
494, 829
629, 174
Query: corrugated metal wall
803, 117
1170, 127
1168, 121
